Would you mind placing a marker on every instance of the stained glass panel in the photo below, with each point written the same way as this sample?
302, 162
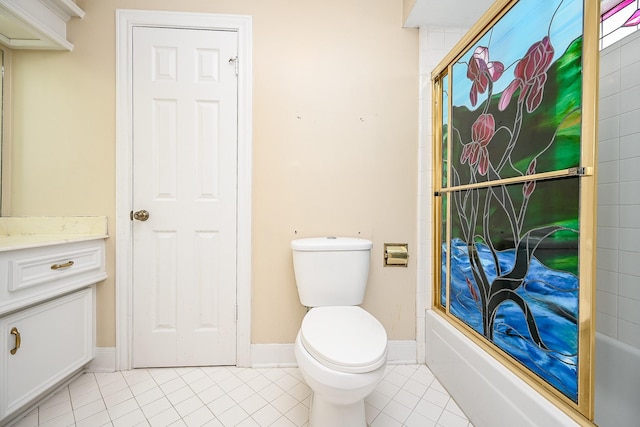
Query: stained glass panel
514, 272
517, 168
517, 95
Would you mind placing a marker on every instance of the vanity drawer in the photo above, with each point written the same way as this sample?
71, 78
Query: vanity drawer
32, 275
36, 270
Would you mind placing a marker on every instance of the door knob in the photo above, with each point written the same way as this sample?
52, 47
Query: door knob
141, 215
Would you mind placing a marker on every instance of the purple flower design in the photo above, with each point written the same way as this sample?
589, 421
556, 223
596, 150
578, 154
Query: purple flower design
531, 75
481, 71
476, 151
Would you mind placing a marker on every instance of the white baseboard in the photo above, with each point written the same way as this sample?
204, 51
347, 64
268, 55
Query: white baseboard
272, 356
105, 360
401, 352
282, 355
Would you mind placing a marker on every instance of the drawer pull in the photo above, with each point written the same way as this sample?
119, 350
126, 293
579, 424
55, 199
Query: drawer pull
14, 331
59, 266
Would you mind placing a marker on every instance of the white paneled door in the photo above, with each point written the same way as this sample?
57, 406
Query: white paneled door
184, 197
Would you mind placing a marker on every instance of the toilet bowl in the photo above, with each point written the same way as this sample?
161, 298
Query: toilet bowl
342, 354
341, 349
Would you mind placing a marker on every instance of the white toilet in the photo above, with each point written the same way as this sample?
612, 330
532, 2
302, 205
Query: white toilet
341, 349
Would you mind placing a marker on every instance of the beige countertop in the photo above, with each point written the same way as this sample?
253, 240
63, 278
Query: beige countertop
28, 232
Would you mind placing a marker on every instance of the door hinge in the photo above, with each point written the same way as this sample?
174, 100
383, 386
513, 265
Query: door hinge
235, 61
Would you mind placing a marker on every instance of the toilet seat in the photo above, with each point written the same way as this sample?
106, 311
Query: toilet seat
346, 338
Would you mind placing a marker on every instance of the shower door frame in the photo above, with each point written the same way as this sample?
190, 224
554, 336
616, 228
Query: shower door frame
582, 410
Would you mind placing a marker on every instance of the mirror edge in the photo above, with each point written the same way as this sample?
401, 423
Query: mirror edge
5, 133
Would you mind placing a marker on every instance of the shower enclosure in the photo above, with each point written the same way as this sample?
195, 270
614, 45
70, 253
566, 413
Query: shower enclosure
618, 255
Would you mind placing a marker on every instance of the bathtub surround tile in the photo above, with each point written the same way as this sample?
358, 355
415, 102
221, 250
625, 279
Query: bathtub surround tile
608, 238
629, 310
609, 194
608, 172
407, 396
607, 259
609, 150
630, 98
629, 333
607, 281
610, 106
609, 61
629, 286
630, 122
630, 191
618, 270
607, 324
630, 75
606, 303
629, 147
629, 167
628, 241
628, 263
610, 84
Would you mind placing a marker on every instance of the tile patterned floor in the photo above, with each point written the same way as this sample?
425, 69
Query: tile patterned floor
409, 395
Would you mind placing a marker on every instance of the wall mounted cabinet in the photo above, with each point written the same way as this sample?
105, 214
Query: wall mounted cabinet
37, 24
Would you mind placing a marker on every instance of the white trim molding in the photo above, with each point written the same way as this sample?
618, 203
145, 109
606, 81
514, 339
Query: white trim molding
126, 20
282, 355
104, 361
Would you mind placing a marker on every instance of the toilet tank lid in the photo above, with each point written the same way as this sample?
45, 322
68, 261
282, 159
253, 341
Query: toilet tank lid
331, 244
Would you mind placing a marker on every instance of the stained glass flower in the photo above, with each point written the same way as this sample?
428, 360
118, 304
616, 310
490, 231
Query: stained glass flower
476, 151
481, 71
530, 76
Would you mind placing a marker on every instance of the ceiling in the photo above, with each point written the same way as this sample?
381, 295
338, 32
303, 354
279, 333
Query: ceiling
449, 13
456, 13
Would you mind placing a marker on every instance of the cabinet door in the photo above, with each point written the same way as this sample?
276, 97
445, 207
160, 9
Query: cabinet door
56, 338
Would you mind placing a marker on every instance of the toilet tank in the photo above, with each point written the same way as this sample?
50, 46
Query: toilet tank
331, 271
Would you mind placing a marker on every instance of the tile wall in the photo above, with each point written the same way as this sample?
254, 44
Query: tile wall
435, 43
618, 244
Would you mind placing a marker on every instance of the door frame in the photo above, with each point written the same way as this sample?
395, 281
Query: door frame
126, 20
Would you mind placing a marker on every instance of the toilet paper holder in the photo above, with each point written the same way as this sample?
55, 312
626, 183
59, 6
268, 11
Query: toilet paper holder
396, 254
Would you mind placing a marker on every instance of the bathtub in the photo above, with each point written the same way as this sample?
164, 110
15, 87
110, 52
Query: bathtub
489, 393
617, 387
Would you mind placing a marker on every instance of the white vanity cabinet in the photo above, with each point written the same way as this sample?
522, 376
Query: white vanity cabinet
47, 318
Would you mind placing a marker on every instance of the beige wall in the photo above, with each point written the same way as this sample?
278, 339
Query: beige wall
335, 131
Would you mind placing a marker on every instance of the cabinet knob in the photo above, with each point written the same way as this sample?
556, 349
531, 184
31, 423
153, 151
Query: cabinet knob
16, 333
